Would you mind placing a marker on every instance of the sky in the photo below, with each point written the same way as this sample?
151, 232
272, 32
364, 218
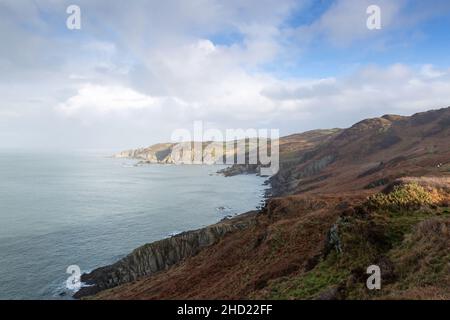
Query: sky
138, 70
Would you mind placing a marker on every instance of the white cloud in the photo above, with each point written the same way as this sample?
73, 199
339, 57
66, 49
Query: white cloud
99, 100
9, 114
242, 100
429, 71
137, 74
373, 89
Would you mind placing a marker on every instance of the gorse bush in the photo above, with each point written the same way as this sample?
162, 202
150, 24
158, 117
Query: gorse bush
406, 196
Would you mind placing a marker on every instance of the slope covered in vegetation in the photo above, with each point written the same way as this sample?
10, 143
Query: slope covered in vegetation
376, 193
404, 230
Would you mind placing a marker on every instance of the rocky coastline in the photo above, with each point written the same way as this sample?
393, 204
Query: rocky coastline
160, 255
342, 200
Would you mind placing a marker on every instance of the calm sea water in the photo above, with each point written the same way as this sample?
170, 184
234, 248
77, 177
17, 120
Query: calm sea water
89, 210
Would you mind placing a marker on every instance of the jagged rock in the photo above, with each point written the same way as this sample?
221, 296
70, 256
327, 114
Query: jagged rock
158, 256
238, 169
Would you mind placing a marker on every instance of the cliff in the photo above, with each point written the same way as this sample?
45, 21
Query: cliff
375, 193
158, 153
319, 247
290, 148
208, 152
370, 154
160, 255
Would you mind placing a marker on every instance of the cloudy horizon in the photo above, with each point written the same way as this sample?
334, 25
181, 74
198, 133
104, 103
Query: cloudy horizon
133, 74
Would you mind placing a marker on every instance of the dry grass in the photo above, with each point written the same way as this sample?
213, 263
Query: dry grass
406, 232
423, 262
439, 183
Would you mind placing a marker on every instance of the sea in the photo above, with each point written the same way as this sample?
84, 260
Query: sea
86, 208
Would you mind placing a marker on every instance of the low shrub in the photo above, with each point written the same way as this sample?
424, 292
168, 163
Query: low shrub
406, 196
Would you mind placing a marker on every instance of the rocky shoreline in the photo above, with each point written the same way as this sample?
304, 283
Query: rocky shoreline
160, 255
238, 169
342, 200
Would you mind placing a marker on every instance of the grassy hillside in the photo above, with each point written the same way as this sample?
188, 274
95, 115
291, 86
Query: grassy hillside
405, 231
376, 193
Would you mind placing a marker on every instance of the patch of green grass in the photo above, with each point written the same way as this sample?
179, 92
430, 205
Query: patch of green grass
311, 284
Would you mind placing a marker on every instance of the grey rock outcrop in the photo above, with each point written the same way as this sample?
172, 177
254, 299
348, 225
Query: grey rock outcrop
159, 255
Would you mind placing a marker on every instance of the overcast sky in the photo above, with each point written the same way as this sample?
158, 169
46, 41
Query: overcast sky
138, 70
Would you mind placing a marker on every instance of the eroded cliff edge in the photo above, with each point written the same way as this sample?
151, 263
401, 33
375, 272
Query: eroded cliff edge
337, 211
160, 255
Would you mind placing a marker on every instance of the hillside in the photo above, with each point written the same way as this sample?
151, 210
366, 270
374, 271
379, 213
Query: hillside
290, 147
375, 193
371, 153
162, 153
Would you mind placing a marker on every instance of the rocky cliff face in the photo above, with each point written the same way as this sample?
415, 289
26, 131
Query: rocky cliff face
371, 153
319, 247
327, 224
158, 153
192, 152
160, 255
290, 149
